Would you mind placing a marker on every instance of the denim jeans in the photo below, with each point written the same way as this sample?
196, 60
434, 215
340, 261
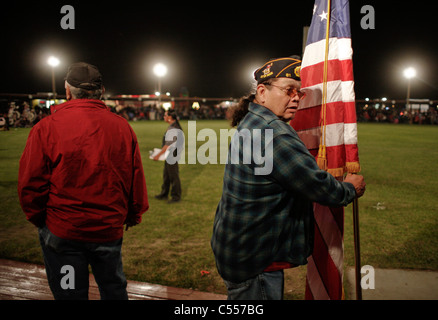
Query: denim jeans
69, 260
265, 286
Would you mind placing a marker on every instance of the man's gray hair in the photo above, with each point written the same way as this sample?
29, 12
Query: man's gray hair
79, 93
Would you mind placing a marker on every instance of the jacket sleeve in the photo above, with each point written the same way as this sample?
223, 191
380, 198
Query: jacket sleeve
296, 169
33, 178
138, 200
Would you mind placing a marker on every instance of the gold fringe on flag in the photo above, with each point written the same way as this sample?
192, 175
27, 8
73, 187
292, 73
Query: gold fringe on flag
337, 172
321, 159
352, 167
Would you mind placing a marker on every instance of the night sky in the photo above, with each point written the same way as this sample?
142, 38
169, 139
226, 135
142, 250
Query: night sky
210, 48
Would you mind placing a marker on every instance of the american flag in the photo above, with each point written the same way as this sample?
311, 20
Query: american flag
326, 122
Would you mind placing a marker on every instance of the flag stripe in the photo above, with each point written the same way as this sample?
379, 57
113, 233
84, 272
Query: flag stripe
337, 70
337, 112
331, 232
327, 268
316, 285
308, 294
337, 134
351, 153
339, 48
338, 90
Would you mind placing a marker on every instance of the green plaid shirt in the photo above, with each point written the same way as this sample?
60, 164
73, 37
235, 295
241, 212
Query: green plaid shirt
268, 218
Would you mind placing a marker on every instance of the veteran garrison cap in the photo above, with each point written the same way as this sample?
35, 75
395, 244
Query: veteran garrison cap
287, 67
85, 76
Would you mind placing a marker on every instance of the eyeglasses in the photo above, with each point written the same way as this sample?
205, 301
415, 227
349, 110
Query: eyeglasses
291, 92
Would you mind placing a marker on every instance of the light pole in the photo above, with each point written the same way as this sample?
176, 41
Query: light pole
409, 73
53, 62
160, 70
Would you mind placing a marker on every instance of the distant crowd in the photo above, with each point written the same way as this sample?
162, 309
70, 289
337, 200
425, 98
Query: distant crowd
153, 112
23, 115
409, 116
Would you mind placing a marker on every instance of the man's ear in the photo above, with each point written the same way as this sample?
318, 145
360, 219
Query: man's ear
261, 93
68, 93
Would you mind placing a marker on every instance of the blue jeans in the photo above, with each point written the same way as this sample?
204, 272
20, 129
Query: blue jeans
67, 263
265, 286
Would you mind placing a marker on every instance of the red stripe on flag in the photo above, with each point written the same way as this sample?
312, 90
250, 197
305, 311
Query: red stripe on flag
337, 70
338, 215
350, 112
307, 118
336, 157
352, 153
337, 112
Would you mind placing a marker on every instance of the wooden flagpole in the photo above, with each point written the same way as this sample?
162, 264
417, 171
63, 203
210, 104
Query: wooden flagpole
357, 248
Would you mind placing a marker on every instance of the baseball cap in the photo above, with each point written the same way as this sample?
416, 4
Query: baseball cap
84, 75
287, 67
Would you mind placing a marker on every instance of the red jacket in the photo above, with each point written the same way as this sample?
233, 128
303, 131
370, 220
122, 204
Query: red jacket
81, 173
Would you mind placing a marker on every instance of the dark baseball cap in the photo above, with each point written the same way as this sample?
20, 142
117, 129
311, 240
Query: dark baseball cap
287, 67
85, 76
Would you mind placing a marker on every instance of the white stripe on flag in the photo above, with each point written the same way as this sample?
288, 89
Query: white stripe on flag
315, 282
336, 134
339, 49
331, 234
350, 133
336, 91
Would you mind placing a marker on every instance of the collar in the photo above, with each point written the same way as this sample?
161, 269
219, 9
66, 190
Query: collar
78, 103
271, 118
263, 112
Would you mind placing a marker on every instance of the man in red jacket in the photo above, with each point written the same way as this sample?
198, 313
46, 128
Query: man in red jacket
80, 180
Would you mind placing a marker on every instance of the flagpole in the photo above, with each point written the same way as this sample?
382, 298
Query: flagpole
357, 248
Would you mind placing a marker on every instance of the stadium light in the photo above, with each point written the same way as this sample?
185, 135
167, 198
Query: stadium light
53, 62
160, 70
409, 73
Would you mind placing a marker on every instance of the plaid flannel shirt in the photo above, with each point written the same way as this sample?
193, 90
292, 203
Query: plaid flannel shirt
268, 218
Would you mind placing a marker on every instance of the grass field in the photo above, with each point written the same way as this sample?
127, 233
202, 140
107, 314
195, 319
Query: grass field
398, 213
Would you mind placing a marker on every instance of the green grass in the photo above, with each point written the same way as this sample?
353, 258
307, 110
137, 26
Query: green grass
172, 244
400, 165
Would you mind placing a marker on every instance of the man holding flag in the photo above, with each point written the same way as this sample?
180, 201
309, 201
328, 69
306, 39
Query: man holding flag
264, 222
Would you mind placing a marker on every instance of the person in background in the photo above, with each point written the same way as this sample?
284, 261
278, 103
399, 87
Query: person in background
80, 181
171, 181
